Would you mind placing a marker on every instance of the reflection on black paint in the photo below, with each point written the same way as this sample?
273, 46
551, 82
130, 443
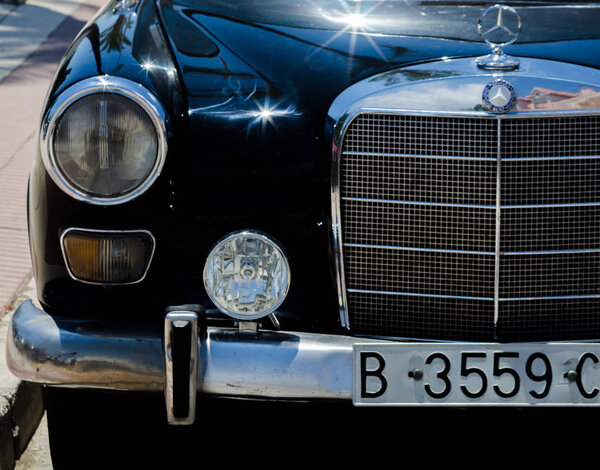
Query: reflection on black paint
113, 39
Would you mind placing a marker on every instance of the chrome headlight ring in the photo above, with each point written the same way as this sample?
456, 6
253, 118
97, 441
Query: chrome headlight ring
103, 84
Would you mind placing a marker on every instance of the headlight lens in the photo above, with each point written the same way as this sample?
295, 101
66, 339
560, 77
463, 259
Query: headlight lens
105, 141
105, 145
247, 275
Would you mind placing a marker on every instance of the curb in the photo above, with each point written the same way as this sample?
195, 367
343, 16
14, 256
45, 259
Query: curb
21, 403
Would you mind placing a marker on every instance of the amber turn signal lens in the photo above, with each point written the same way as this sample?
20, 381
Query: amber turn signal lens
108, 257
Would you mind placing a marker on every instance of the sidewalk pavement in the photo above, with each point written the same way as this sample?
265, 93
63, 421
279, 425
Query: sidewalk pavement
21, 403
33, 38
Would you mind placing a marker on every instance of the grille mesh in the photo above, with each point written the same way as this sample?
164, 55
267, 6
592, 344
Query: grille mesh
430, 251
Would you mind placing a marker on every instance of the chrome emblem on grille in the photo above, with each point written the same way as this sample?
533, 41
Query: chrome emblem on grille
499, 96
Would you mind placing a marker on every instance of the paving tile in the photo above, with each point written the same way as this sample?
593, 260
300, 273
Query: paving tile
22, 92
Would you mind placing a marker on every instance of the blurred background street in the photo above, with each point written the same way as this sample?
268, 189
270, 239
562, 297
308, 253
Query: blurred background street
34, 35
33, 38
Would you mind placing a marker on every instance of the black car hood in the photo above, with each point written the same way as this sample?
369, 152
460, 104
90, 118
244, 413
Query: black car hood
259, 77
226, 48
544, 21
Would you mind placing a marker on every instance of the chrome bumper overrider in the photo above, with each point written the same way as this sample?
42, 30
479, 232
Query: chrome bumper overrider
93, 354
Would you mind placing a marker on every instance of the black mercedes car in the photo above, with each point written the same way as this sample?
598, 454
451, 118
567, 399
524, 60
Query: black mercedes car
378, 202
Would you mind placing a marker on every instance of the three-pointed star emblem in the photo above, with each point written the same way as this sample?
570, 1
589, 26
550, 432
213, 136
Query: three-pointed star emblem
499, 96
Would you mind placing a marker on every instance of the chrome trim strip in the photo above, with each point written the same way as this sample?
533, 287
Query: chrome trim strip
191, 318
106, 83
498, 224
551, 297
475, 159
552, 252
534, 206
440, 157
416, 248
471, 114
467, 297
336, 227
417, 203
418, 294
541, 159
473, 206
91, 230
478, 159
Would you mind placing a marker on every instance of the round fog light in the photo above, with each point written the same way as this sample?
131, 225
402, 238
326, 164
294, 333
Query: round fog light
247, 275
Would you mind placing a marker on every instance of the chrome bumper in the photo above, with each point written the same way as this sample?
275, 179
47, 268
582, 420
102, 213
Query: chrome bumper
93, 354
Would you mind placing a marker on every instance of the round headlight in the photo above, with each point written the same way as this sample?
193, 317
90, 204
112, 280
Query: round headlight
247, 275
104, 141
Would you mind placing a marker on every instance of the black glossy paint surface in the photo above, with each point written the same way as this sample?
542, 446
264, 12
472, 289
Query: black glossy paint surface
247, 96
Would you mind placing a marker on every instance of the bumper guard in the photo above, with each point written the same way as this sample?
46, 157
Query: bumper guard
96, 354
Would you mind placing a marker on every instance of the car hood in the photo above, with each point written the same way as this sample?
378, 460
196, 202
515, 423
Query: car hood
545, 21
227, 49
260, 77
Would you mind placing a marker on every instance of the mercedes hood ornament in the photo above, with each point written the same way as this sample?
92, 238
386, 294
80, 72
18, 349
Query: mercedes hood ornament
499, 26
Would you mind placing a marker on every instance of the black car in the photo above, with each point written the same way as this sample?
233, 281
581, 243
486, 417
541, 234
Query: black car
384, 203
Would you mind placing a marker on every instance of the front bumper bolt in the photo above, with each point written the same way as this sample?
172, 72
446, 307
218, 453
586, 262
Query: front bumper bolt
416, 374
571, 376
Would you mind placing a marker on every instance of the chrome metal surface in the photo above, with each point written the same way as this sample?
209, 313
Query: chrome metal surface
103, 84
454, 87
498, 61
98, 354
498, 239
171, 321
499, 26
478, 224
506, 22
275, 365
88, 230
58, 351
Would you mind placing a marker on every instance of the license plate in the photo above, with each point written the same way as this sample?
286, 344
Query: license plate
457, 374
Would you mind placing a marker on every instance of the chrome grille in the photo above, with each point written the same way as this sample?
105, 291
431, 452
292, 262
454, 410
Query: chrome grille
471, 228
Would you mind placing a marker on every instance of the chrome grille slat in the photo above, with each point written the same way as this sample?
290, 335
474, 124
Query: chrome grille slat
541, 159
433, 157
469, 210
433, 250
420, 203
